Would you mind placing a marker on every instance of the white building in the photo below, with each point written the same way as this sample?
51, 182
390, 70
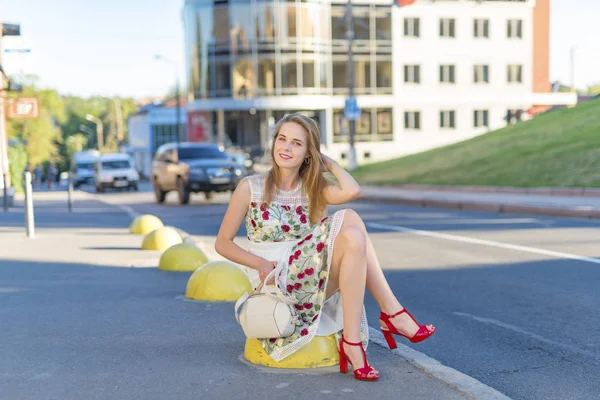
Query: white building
429, 74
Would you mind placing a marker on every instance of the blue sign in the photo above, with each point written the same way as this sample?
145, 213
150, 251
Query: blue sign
351, 110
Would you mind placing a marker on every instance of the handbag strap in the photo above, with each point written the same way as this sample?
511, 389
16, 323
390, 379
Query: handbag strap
278, 295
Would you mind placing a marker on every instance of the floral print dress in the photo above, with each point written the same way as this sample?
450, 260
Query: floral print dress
282, 232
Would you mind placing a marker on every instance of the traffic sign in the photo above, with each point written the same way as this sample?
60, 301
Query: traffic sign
351, 110
17, 50
11, 29
23, 108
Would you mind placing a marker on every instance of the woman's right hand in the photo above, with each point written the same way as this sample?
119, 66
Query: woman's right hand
265, 269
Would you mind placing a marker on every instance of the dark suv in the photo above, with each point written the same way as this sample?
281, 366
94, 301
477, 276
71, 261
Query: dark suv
194, 167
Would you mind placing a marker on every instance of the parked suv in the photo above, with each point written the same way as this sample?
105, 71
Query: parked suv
194, 167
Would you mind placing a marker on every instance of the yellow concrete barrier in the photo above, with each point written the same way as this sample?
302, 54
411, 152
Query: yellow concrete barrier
161, 239
218, 281
182, 257
144, 224
322, 351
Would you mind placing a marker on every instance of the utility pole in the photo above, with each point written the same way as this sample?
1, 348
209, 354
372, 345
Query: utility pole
119, 115
352, 123
178, 105
99, 130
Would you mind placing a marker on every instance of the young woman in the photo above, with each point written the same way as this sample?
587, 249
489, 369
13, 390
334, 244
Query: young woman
324, 263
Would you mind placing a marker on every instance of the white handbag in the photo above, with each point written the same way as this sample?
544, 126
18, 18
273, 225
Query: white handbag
263, 314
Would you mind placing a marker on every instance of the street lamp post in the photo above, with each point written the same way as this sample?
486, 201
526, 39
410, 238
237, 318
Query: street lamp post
177, 94
99, 130
352, 122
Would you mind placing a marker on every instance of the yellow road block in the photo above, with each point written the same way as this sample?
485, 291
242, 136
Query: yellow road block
182, 257
161, 239
322, 351
144, 224
218, 281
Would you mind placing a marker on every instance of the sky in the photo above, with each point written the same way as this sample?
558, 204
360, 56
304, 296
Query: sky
107, 47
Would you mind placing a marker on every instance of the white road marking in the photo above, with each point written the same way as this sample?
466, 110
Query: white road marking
450, 376
491, 243
532, 335
125, 208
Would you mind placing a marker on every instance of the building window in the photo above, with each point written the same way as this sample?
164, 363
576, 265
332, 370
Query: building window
411, 27
290, 21
265, 23
481, 28
514, 74
447, 74
289, 75
362, 23
362, 75
340, 74
384, 75
383, 26
447, 27
514, 29
385, 121
481, 74
266, 75
447, 119
243, 78
412, 120
222, 78
412, 74
480, 118
374, 125
338, 24
308, 74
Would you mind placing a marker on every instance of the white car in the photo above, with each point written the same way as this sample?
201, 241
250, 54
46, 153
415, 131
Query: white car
116, 171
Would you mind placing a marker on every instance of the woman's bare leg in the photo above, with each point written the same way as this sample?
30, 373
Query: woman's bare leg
377, 283
349, 272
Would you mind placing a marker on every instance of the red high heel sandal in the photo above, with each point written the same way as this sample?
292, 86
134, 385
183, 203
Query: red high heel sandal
366, 373
422, 334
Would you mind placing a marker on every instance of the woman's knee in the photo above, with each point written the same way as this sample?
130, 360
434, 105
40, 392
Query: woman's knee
353, 239
351, 218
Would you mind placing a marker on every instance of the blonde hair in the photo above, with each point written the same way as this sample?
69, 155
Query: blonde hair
313, 181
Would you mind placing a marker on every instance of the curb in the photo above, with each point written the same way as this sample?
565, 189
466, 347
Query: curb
582, 212
451, 377
551, 191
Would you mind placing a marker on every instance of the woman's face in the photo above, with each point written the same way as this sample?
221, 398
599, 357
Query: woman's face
291, 146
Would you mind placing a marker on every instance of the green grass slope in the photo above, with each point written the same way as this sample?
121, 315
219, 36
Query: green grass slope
559, 148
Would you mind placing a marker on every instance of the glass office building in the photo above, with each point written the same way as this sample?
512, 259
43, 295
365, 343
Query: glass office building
250, 62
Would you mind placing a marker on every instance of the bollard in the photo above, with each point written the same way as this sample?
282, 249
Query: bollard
5, 192
70, 192
29, 222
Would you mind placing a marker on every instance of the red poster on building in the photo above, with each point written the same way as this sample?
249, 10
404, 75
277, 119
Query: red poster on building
199, 126
404, 3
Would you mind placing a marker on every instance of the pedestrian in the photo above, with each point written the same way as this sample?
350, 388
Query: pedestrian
38, 176
323, 263
52, 172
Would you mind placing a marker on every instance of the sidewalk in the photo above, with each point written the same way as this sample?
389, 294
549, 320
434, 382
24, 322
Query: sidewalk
84, 324
544, 201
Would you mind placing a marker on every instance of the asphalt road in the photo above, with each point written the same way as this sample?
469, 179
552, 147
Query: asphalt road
513, 305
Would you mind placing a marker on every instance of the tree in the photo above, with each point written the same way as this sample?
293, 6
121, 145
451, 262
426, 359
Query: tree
593, 89
41, 135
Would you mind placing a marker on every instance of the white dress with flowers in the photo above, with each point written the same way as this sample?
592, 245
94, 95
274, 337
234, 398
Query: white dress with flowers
281, 231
